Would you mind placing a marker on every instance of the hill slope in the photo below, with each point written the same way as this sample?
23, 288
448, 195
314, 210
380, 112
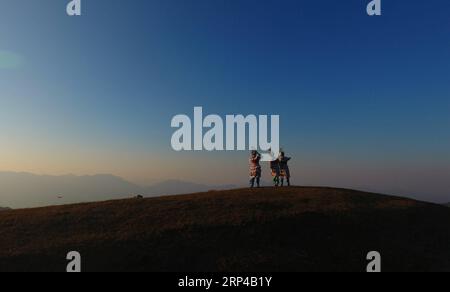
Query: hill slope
291, 229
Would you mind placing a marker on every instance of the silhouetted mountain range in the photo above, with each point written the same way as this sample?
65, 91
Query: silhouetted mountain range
26, 190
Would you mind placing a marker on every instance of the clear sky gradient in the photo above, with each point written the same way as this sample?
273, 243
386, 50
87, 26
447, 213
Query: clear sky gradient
364, 101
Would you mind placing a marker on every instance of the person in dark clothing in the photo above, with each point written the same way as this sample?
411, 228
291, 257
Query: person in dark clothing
275, 168
284, 169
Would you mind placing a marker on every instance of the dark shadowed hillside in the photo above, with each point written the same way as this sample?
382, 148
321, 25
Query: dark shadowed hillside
291, 229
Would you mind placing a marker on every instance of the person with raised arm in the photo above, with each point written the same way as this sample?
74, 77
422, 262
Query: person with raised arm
255, 169
284, 169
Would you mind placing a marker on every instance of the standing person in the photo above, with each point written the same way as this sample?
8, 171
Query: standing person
275, 168
255, 169
284, 169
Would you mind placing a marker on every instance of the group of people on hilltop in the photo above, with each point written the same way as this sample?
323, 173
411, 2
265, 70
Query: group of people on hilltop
279, 168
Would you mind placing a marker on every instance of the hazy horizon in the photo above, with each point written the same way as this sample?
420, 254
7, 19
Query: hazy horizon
28, 190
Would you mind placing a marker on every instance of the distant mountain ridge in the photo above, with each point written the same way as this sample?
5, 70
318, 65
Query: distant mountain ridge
4, 209
27, 190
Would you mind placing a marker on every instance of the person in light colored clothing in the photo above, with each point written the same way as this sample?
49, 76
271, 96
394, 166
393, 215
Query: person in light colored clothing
255, 169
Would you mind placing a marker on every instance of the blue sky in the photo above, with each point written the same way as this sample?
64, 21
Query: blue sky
364, 101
